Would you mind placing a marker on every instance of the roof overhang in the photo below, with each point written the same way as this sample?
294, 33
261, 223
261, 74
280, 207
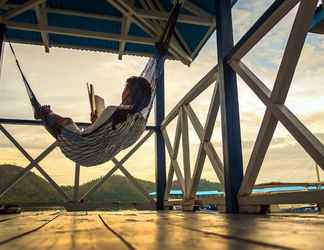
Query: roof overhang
124, 27
317, 25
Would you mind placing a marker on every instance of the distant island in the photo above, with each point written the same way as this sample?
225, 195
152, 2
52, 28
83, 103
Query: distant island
33, 188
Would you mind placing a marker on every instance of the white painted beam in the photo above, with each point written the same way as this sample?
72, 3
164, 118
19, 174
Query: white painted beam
125, 9
305, 138
27, 169
301, 197
176, 146
84, 14
22, 8
32, 161
126, 23
148, 14
285, 74
96, 186
80, 33
185, 151
187, 19
264, 28
174, 161
203, 84
293, 50
133, 181
196, 10
207, 145
41, 16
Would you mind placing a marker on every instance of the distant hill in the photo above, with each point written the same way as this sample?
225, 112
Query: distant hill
31, 188
204, 185
117, 188
34, 188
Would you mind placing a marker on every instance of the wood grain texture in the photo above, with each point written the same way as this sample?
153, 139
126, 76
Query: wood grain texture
21, 226
70, 231
165, 230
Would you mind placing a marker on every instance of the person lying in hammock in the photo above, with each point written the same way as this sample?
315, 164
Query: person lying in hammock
135, 97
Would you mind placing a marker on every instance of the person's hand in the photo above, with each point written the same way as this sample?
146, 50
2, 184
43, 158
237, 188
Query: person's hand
119, 116
45, 110
93, 116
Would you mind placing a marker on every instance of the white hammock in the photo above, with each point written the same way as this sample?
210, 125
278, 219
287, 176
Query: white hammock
105, 142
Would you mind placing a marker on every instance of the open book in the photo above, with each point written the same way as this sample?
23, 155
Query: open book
97, 103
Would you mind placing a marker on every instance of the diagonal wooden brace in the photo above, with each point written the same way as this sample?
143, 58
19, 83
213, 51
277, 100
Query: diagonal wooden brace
38, 167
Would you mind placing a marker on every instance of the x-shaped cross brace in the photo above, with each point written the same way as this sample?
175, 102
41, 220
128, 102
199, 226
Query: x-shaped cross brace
33, 163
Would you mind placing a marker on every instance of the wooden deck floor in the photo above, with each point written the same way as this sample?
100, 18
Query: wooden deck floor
166, 230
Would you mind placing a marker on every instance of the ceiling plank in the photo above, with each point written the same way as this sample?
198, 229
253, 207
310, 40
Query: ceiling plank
194, 9
41, 16
188, 19
154, 14
3, 2
80, 33
176, 50
22, 8
126, 23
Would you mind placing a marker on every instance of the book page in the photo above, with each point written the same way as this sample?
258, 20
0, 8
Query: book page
91, 97
99, 104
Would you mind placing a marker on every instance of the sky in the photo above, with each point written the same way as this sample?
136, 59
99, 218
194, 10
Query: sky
59, 79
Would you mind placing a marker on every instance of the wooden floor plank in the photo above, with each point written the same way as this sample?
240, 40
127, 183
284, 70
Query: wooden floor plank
164, 230
285, 232
23, 225
70, 231
5, 217
155, 231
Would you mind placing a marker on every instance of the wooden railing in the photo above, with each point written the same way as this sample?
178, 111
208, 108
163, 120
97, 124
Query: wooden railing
184, 113
76, 199
276, 111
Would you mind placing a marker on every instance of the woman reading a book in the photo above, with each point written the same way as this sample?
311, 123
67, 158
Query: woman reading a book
135, 97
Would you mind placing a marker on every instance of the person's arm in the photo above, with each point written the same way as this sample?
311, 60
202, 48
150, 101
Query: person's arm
120, 115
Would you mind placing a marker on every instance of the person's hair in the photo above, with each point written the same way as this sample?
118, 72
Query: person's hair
141, 92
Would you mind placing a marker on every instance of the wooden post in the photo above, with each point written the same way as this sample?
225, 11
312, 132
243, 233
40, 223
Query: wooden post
232, 149
160, 169
76, 183
186, 152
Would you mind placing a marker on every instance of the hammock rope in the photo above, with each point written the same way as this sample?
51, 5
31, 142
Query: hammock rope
104, 142
32, 97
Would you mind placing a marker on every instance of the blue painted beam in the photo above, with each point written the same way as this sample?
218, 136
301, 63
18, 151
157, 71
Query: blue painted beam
318, 19
231, 132
160, 165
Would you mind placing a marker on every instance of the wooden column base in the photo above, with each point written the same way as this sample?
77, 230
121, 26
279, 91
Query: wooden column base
248, 209
189, 206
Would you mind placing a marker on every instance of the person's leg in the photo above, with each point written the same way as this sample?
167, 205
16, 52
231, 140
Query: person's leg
55, 123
